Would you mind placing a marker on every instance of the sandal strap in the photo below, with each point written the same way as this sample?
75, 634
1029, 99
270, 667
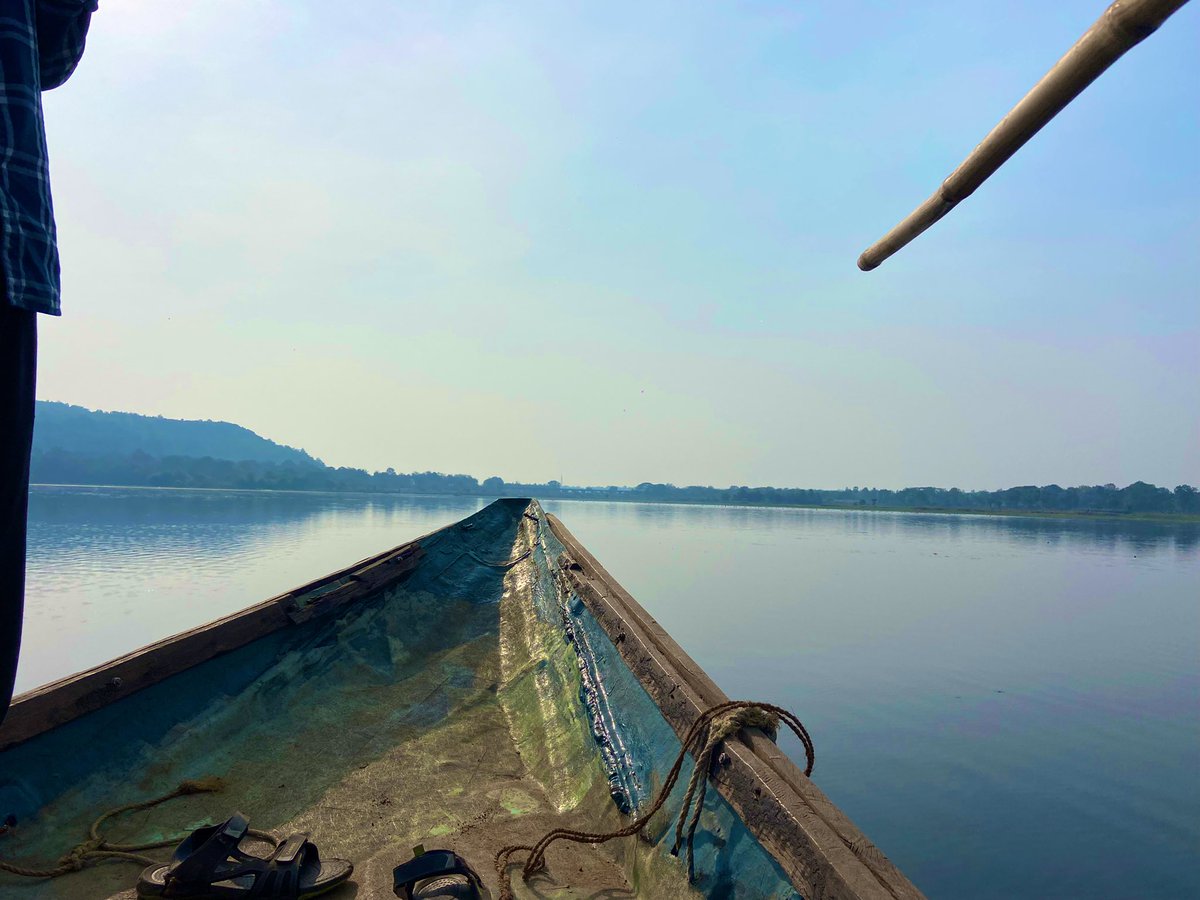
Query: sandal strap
201, 856
279, 877
430, 864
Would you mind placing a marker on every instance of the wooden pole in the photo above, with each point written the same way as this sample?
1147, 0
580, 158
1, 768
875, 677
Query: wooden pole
1122, 26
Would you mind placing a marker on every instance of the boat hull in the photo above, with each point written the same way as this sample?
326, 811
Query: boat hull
471, 689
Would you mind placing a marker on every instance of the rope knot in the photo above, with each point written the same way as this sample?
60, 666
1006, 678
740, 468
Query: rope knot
757, 717
76, 858
735, 720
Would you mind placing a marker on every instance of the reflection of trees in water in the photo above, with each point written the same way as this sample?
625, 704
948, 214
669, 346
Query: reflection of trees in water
1110, 535
218, 522
1105, 534
206, 523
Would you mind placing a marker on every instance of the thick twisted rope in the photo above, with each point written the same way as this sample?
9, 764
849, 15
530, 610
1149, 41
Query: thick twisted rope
721, 727
708, 731
96, 847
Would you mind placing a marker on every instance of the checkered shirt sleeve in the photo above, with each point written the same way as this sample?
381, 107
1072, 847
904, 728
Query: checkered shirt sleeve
41, 42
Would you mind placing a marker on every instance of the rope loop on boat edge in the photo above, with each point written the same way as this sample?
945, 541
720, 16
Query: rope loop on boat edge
97, 847
710, 729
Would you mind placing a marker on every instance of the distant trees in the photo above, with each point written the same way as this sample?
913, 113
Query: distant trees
58, 466
1138, 497
73, 445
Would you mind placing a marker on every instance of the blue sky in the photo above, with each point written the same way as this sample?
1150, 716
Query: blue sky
616, 242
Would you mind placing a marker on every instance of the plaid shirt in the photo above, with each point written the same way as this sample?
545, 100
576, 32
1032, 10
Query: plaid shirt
40, 45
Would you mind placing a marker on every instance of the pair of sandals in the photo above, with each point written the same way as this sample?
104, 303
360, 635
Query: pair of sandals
211, 865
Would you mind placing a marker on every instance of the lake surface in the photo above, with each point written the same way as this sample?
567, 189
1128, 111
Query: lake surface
1006, 706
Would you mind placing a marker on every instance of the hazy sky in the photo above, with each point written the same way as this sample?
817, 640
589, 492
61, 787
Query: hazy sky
615, 242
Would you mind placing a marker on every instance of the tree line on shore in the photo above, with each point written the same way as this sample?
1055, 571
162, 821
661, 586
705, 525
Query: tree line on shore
58, 466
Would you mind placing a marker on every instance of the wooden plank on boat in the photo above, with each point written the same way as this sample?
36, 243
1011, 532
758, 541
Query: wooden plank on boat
61, 701
819, 848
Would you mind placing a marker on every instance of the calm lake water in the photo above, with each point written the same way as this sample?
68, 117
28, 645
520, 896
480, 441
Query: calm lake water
1008, 707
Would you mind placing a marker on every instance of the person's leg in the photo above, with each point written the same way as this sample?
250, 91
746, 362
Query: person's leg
18, 366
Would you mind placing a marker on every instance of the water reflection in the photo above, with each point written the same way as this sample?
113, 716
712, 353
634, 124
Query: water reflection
1103, 534
52, 505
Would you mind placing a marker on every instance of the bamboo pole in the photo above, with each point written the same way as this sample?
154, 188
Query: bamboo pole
1122, 26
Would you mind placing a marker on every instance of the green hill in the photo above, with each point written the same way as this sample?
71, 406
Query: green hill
76, 430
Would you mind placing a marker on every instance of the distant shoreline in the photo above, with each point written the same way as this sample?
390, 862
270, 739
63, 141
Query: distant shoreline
1089, 515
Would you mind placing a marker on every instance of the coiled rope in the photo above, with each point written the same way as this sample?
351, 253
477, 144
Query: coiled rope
96, 847
708, 731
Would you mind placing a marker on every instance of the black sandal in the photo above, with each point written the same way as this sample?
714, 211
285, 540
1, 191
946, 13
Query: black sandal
440, 871
210, 865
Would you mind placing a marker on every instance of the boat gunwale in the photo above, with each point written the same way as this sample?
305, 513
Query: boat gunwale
46, 707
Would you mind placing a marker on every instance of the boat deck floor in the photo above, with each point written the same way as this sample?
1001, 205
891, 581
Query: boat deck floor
462, 786
421, 719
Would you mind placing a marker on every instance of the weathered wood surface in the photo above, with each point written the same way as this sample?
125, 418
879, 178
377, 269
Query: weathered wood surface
61, 701
824, 854
1122, 26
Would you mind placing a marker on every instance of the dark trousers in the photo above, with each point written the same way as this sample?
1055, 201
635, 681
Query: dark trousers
18, 370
